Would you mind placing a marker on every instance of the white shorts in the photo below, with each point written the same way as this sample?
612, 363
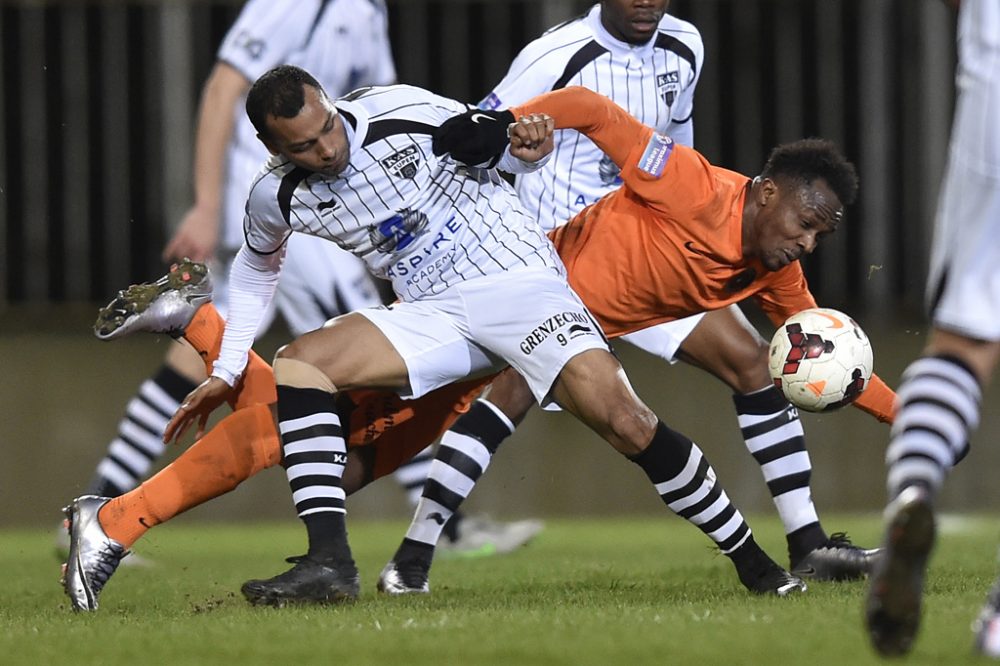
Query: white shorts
664, 339
319, 281
527, 318
964, 279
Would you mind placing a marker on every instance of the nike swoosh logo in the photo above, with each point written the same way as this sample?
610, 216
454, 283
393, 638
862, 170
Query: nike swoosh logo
689, 246
836, 322
475, 117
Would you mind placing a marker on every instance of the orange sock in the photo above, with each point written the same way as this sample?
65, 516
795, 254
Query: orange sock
242, 444
205, 335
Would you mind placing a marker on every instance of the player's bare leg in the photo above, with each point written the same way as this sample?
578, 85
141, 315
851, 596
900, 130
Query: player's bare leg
350, 352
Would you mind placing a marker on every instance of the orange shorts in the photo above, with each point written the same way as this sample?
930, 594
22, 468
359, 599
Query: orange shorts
399, 429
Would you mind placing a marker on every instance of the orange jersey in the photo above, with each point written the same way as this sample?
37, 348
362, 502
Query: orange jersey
668, 243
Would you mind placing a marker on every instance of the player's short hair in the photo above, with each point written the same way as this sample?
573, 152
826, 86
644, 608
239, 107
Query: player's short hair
278, 92
806, 160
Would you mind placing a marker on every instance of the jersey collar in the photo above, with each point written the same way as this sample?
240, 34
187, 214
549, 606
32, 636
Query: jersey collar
615, 46
356, 120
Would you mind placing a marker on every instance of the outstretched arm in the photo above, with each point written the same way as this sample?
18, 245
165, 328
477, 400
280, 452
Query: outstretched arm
605, 123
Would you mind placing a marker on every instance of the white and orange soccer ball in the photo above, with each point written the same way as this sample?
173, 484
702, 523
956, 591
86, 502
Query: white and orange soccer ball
820, 359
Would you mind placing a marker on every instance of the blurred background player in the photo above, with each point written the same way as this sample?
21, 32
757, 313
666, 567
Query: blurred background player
345, 44
648, 62
939, 398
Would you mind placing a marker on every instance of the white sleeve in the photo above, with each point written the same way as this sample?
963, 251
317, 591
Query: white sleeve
681, 126
528, 76
376, 50
514, 165
265, 33
253, 280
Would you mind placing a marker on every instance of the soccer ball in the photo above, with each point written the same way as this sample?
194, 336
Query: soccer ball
820, 359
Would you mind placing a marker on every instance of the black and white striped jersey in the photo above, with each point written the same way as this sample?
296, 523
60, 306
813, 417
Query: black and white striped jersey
421, 221
654, 82
343, 43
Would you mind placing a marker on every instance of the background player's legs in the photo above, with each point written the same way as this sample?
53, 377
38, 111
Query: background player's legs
139, 440
725, 344
938, 410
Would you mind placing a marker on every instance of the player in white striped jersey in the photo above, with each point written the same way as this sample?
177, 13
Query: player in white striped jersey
939, 400
634, 53
480, 288
648, 62
345, 44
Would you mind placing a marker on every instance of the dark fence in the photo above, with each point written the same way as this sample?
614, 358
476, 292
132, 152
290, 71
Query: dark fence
98, 105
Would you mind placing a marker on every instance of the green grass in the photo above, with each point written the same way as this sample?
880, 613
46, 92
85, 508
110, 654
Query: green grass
629, 591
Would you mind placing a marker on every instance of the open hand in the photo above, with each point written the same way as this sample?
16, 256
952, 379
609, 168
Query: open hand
195, 238
197, 406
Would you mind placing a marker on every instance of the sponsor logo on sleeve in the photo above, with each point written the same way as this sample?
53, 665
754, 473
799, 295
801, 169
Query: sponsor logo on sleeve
491, 102
657, 152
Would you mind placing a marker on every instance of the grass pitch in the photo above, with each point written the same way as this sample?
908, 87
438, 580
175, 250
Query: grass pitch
628, 591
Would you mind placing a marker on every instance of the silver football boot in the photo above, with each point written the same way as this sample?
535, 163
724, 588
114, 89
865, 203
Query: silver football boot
408, 578
164, 306
93, 556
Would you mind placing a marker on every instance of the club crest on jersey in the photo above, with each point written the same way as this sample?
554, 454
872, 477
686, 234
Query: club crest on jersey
669, 85
403, 163
657, 152
609, 172
398, 231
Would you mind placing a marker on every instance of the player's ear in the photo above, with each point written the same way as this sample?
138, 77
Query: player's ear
766, 191
268, 144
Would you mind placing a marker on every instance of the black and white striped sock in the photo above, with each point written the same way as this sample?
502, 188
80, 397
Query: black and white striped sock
938, 409
463, 455
412, 474
139, 442
314, 456
687, 484
773, 434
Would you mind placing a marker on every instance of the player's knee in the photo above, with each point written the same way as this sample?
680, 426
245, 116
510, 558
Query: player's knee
749, 367
630, 426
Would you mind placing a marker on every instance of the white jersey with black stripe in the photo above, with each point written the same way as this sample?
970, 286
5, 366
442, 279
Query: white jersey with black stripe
964, 276
421, 221
344, 44
654, 82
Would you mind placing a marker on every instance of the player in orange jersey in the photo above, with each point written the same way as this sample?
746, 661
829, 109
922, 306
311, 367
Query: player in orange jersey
679, 237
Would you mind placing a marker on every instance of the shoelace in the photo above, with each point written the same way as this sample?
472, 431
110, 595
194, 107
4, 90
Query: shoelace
106, 561
840, 540
412, 572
